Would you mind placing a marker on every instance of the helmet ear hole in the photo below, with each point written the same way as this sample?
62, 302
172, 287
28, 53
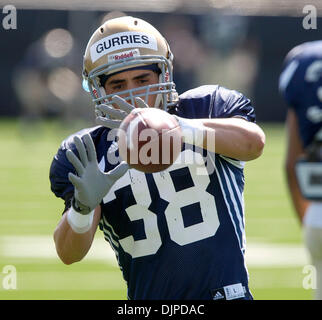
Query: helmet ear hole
102, 30
135, 22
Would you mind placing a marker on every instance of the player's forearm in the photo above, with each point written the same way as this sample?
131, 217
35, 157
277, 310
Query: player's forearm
294, 151
70, 245
235, 138
300, 203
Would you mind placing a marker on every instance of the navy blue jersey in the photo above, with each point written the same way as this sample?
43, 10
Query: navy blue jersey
179, 233
301, 85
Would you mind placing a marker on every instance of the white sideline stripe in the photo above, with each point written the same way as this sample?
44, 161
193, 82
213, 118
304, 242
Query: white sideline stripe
44, 247
257, 254
276, 255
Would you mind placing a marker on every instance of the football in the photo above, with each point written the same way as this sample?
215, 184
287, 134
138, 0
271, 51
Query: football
149, 139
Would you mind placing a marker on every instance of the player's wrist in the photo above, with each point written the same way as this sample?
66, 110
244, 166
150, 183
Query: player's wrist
80, 223
79, 207
192, 130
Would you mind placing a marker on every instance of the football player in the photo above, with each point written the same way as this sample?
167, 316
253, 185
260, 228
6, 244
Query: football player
301, 86
176, 234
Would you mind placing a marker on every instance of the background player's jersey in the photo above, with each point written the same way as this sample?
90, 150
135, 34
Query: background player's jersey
301, 85
179, 233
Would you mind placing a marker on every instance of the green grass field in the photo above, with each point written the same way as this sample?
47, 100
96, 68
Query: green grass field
29, 213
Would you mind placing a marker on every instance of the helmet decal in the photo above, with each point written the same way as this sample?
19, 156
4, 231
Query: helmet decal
121, 41
123, 55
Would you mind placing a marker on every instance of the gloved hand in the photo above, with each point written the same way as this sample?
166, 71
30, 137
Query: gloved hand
91, 184
110, 117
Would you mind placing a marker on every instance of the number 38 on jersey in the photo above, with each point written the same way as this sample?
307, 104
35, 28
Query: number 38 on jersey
185, 195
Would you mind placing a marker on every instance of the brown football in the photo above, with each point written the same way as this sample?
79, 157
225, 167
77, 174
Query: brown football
149, 139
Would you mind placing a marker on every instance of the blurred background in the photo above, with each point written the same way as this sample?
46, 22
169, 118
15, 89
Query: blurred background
237, 44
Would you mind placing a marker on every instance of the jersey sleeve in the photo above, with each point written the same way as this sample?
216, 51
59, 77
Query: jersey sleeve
58, 176
289, 81
293, 82
213, 101
230, 103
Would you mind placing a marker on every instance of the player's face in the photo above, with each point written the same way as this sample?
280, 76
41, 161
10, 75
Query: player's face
132, 79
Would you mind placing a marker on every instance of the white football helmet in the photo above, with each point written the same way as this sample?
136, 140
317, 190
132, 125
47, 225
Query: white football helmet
124, 43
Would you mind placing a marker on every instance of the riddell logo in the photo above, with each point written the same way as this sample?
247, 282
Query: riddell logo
123, 55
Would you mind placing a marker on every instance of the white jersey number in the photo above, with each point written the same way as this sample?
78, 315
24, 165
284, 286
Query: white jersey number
195, 195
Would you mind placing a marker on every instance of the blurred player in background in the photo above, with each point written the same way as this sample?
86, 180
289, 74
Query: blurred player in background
301, 85
176, 234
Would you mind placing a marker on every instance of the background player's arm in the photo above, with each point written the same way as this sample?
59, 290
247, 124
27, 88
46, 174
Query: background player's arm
294, 150
71, 246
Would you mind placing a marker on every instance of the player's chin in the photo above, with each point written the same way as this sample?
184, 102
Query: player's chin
151, 100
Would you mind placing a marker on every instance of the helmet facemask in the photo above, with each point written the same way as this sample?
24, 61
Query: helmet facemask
166, 95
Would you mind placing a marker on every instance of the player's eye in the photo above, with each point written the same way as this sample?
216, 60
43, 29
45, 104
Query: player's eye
117, 87
143, 81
